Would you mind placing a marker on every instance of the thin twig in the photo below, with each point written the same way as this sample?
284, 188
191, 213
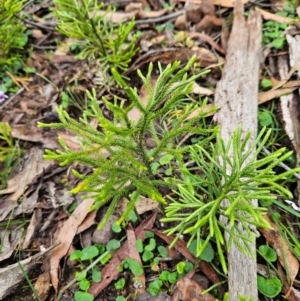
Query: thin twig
42, 25
161, 19
11, 98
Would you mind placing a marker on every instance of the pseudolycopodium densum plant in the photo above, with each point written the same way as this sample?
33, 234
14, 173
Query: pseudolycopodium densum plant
116, 151
122, 164
197, 206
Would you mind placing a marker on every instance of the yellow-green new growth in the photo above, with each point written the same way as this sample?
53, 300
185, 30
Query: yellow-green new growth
116, 150
198, 205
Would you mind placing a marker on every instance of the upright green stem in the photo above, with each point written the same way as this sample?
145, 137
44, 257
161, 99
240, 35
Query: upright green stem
91, 21
98, 37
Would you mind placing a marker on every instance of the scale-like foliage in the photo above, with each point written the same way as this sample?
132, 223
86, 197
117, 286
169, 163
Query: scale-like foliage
239, 179
97, 36
116, 150
12, 36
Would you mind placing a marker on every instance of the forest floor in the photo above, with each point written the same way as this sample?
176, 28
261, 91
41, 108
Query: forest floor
42, 224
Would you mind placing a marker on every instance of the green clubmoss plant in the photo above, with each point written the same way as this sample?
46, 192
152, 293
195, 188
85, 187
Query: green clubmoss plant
198, 205
116, 150
9, 152
98, 38
12, 36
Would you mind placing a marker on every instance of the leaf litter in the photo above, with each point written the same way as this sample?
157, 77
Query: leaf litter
204, 33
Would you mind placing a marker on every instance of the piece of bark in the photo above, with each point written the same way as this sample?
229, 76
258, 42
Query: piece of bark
236, 98
12, 276
290, 103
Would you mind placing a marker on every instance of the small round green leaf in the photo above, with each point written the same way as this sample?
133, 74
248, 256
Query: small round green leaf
180, 267
76, 255
100, 247
155, 287
139, 245
96, 275
162, 251
134, 266
147, 255
105, 258
83, 296
84, 284
266, 83
278, 43
164, 275
265, 118
151, 246
166, 159
269, 287
132, 216
80, 275
268, 253
116, 227
188, 267
113, 245
172, 278
148, 234
169, 171
89, 253
207, 254
154, 167
120, 284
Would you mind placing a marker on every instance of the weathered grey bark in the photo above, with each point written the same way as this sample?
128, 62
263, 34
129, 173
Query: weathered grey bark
236, 97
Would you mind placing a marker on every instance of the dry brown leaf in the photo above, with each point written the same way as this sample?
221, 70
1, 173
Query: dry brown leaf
133, 6
37, 34
110, 271
190, 290
117, 17
145, 204
34, 135
207, 39
181, 22
153, 14
42, 285
158, 39
88, 222
70, 139
271, 94
134, 254
9, 241
289, 291
280, 246
65, 238
207, 109
73, 143
272, 17
33, 167
64, 47
197, 89
33, 227
209, 24
135, 114
223, 3
227, 3
193, 12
